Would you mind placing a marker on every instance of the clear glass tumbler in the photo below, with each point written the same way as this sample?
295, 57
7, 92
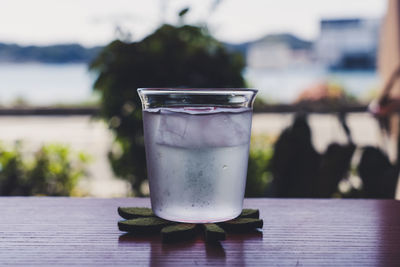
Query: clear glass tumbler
197, 147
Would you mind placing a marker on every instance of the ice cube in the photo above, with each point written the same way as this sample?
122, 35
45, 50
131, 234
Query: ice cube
172, 129
221, 129
230, 129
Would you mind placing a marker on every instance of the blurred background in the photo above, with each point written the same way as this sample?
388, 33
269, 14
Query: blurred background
70, 118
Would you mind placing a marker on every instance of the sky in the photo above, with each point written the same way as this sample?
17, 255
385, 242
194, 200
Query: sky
94, 22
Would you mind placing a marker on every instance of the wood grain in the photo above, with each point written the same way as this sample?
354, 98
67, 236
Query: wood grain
297, 232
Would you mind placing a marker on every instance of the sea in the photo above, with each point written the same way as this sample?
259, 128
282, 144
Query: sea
51, 84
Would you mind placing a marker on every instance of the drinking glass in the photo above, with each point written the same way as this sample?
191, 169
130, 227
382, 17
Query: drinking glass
197, 147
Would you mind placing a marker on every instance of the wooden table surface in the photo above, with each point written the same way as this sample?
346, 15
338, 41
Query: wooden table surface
297, 232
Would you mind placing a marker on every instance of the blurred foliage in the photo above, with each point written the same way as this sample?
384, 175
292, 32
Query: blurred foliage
54, 170
184, 56
378, 174
323, 95
299, 170
259, 104
258, 172
373, 177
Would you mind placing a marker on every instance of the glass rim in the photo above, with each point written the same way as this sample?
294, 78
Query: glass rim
188, 97
201, 90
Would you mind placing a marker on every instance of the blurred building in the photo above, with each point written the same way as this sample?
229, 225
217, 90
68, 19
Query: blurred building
278, 51
348, 43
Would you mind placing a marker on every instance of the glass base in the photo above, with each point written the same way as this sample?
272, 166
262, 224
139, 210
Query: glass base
198, 217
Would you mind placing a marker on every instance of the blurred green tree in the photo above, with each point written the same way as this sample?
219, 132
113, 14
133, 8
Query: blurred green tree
172, 56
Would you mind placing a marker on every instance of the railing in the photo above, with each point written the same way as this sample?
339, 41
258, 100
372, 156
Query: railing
318, 108
276, 108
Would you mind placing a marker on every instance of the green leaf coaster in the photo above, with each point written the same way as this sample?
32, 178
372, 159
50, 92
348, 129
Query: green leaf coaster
141, 220
147, 224
213, 232
242, 224
250, 213
134, 212
178, 232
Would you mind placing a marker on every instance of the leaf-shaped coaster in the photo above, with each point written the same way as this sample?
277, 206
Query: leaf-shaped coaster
144, 221
250, 213
134, 212
147, 225
178, 232
242, 224
213, 232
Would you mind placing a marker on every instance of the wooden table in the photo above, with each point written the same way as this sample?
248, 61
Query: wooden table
297, 232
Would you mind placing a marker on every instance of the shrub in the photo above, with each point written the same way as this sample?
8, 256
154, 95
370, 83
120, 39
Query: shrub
53, 170
258, 172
